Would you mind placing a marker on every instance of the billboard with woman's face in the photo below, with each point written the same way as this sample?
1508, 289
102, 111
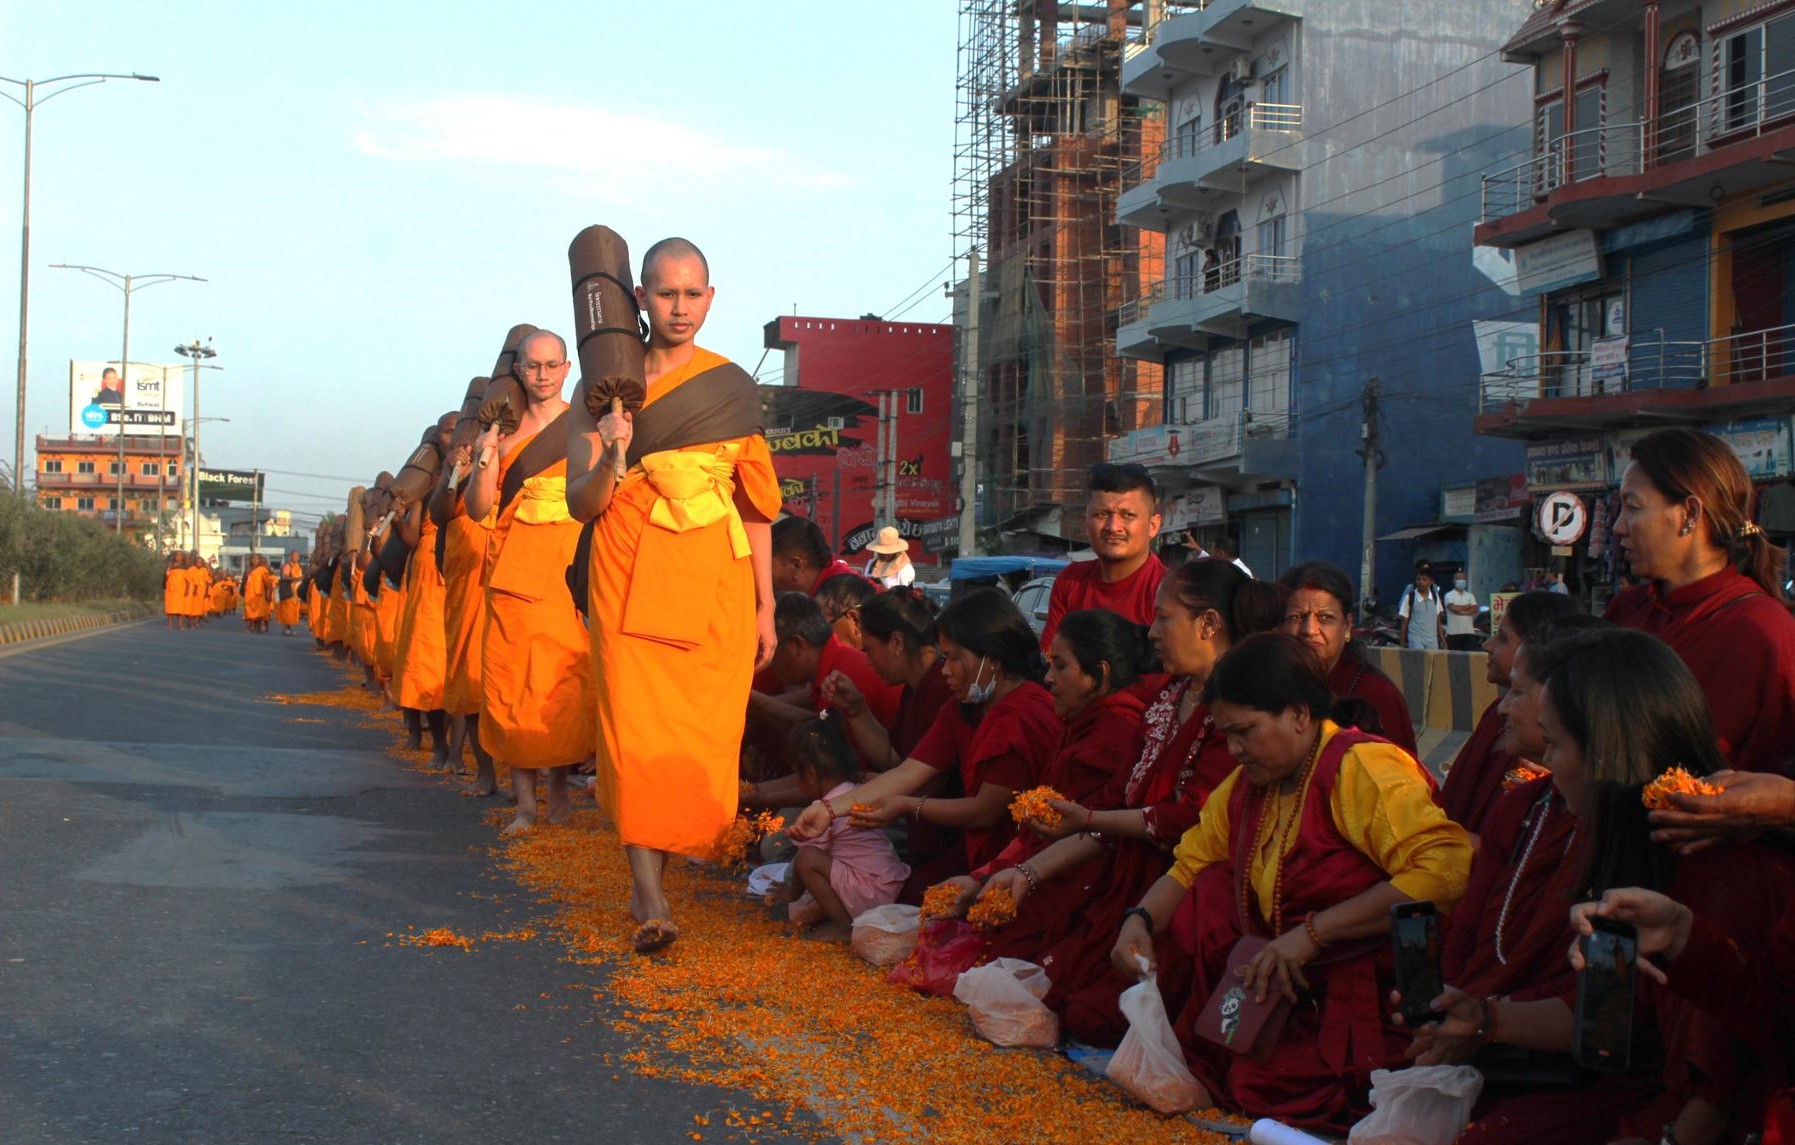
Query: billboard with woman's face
146, 399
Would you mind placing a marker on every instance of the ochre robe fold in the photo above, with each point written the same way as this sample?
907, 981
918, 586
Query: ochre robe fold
420, 666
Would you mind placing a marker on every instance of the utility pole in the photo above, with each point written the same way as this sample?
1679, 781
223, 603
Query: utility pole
1373, 456
969, 431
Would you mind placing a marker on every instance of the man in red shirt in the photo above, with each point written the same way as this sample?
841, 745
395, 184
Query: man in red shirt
802, 559
1121, 519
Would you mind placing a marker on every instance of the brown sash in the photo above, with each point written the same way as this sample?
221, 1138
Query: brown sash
543, 450
720, 404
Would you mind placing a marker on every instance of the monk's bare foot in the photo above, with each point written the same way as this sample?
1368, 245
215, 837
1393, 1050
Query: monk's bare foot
484, 788
655, 934
830, 932
560, 810
518, 826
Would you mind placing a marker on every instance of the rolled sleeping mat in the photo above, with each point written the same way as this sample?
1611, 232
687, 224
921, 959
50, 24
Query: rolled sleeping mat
352, 527
418, 475
506, 365
503, 406
467, 424
607, 323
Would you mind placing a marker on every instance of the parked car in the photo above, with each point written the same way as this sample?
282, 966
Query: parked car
1032, 599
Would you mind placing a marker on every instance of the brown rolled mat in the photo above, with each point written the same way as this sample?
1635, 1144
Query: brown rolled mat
503, 406
607, 324
506, 366
418, 475
467, 425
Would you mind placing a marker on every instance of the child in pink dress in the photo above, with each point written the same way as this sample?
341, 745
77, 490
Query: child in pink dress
846, 870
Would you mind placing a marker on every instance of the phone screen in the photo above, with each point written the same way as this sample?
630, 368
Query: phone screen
1605, 997
1415, 933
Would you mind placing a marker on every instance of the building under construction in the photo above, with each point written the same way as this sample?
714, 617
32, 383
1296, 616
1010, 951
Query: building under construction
1043, 136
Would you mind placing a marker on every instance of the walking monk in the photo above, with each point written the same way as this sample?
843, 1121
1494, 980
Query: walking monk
535, 678
286, 594
421, 658
258, 592
174, 589
681, 589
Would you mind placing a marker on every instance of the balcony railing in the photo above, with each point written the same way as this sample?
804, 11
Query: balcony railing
1252, 267
1736, 114
1135, 309
1752, 356
1189, 144
1158, 14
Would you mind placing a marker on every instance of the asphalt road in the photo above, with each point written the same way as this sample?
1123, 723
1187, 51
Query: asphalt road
195, 899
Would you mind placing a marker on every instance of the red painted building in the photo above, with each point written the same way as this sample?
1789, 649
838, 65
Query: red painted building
849, 386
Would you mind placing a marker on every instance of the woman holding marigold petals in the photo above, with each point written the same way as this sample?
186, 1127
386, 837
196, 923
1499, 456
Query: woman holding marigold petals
1110, 848
1307, 845
1615, 708
999, 737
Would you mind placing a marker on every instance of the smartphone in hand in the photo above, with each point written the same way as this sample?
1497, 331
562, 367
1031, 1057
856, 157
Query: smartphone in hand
1605, 996
1415, 937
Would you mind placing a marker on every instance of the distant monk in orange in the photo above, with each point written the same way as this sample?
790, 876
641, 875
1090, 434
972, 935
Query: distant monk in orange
174, 589
286, 594
681, 588
199, 588
461, 546
258, 594
422, 662
535, 677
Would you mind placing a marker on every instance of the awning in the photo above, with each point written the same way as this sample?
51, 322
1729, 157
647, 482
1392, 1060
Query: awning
1422, 532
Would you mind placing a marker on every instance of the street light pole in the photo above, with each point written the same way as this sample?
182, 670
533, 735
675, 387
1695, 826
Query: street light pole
29, 103
198, 352
126, 283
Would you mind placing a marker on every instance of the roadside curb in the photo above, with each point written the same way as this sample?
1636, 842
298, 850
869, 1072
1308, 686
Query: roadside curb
21, 631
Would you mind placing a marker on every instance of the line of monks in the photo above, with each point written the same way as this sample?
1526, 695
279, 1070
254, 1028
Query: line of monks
194, 591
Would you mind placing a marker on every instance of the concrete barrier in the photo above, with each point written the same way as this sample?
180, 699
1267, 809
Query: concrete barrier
20, 631
1446, 691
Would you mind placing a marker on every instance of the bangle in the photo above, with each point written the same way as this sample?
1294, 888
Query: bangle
1486, 1031
1088, 816
1144, 914
828, 808
1309, 929
916, 812
1028, 872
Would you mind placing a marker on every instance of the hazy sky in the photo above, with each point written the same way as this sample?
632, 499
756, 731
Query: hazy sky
377, 192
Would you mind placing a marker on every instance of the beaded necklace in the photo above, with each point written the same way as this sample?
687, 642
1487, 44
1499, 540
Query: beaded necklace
1266, 825
1544, 807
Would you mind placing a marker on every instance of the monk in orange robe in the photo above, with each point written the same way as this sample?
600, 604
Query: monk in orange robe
462, 545
342, 572
199, 587
286, 594
535, 677
258, 594
680, 583
420, 658
174, 589
388, 599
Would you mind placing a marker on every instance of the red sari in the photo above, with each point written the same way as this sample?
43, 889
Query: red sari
1319, 1074
1474, 782
1010, 745
1354, 677
1179, 765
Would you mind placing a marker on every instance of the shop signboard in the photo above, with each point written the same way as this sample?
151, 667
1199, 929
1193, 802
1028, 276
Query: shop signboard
1762, 444
1557, 262
1500, 498
1458, 504
1499, 606
1608, 360
1193, 508
1574, 463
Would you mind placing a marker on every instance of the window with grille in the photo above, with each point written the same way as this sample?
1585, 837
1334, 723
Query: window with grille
1227, 381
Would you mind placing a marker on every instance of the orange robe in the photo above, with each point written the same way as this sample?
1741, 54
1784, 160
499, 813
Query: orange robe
673, 634
174, 591
464, 612
389, 607
337, 613
419, 674
256, 587
535, 675
363, 634
199, 584
286, 612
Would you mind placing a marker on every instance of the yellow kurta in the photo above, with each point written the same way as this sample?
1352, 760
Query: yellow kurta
535, 676
420, 652
673, 634
1381, 805
464, 613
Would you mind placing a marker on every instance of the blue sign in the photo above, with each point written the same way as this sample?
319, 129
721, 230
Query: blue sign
93, 416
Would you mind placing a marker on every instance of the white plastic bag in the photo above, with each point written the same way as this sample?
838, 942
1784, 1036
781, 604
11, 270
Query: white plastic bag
1423, 1105
1004, 1000
885, 935
1149, 1063
764, 879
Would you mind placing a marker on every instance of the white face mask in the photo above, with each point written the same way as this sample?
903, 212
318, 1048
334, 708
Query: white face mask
979, 693
1459, 584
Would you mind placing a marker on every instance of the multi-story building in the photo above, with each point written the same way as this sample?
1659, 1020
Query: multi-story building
82, 475
1316, 186
860, 428
1652, 221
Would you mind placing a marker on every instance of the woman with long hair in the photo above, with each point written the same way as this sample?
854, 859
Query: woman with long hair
1712, 590
1318, 832
1614, 709
1319, 611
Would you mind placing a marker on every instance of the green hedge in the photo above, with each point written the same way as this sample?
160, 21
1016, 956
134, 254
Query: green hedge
60, 556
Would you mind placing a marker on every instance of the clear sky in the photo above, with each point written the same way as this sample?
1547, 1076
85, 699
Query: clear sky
376, 192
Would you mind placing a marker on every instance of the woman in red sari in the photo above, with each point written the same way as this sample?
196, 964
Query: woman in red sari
1319, 611
1615, 708
1713, 591
1110, 848
999, 737
1307, 845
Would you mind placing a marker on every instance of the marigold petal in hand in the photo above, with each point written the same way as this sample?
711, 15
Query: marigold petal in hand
1031, 806
1676, 781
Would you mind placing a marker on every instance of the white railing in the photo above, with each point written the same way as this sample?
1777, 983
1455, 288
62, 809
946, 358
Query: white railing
1245, 117
1252, 267
1651, 365
1632, 148
1135, 309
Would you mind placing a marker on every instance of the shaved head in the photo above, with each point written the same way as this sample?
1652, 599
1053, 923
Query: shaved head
673, 249
523, 347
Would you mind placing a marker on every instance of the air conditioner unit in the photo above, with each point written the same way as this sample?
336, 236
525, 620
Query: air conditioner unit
1201, 230
1241, 70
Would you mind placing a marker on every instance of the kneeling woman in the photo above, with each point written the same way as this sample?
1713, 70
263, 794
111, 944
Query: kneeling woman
1000, 737
1318, 833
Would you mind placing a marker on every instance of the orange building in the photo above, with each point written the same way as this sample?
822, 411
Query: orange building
81, 475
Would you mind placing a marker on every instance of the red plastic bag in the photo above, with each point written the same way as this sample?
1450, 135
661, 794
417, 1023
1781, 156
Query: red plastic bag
945, 949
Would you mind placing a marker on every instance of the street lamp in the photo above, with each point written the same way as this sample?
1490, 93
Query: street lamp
198, 353
29, 103
126, 283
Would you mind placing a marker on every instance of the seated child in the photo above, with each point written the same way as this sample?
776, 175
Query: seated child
847, 870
